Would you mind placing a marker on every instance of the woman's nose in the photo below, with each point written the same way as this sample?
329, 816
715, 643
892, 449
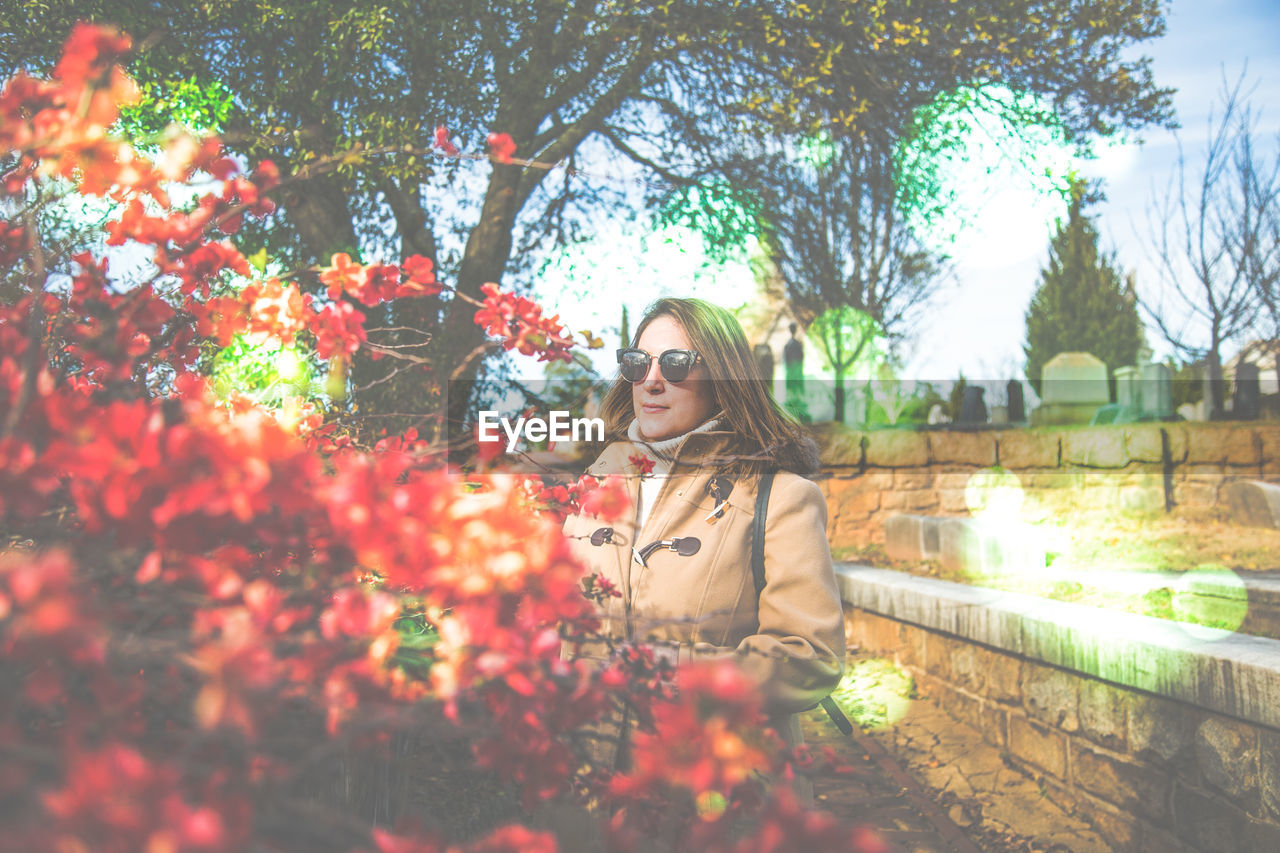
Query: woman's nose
653, 377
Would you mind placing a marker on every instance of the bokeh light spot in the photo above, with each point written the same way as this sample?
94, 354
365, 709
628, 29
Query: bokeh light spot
994, 494
874, 693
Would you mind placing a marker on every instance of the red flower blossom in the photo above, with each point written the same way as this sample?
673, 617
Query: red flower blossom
443, 143
501, 147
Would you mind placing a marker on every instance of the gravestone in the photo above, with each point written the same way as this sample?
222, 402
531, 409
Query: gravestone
1155, 399
1128, 387
1073, 386
1017, 407
938, 415
1246, 405
972, 409
764, 362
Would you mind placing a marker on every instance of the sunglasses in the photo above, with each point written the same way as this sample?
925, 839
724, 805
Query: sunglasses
675, 364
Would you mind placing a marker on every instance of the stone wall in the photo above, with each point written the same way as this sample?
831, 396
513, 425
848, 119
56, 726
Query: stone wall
870, 476
1162, 742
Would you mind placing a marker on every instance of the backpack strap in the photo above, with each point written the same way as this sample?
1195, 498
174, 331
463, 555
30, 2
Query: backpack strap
757, 572
757, 529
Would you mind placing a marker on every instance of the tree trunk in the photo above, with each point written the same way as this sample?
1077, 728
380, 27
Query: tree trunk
459, 349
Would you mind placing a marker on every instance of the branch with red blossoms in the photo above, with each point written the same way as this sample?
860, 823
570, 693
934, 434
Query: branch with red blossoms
202, 613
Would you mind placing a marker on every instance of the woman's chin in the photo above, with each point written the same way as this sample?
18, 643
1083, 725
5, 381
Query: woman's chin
655, 429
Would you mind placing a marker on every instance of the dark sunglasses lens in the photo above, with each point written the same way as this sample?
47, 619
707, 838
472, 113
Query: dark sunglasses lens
633, 366
675, 366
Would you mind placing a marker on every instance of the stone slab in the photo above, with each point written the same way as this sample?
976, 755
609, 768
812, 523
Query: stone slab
897, 448
963, 448
1095, 448
1231, 674
1254, 503
1029, 449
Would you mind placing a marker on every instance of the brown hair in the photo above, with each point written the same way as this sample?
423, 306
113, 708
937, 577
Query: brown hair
766, 435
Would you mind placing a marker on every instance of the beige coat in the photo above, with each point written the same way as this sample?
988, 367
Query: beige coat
790, 640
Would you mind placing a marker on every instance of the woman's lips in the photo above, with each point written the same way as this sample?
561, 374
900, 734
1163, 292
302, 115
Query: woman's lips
651, 408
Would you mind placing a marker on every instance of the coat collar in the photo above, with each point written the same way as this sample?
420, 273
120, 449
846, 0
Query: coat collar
696, 448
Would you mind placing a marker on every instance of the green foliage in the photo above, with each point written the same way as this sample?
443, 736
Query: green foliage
200, 107
955, 400
267, 372
1082, 303
726, 216
874, 693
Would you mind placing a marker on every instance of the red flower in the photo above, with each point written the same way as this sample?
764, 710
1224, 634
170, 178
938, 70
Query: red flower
501, 147
443, 143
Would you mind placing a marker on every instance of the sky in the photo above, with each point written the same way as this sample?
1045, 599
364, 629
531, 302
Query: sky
976, 325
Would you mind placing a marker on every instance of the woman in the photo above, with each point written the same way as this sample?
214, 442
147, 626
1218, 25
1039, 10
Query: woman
689, 402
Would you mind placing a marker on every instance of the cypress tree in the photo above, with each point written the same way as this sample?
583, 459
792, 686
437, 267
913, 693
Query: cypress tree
1082, 303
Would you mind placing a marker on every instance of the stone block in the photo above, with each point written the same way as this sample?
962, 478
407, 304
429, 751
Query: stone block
912, 478
842, 446
1208, 823
1004, 677
913, 501
1119, 831
1144, 497
1253, 503
875, 633
1269, 443
838, 487
897, 448
1143, 443
962, 706
858, 501
1192, 493
1269, 774
1099, 447
1021, 449
1103, 713
939, 653
959, 547
875, 479
1178, 442
963, 448
1160, 729
952, 501
1058, 481
1051, 696
904, 536
915, 646
1227, 757
1041, 747
966, 668
954, 478
1128, 785
1222, 445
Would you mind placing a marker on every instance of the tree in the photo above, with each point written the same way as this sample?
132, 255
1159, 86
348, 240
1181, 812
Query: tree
207, 605
346, 100
1082, 303
833, 227
1213, 239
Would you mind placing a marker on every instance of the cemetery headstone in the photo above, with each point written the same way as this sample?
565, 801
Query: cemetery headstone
1073, 387
1017, 407
1246, 405
1156, 391
764, 362
972, 409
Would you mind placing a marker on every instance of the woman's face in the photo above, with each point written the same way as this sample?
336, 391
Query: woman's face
665, 408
